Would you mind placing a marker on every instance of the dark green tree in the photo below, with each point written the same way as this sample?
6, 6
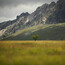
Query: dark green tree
35, 37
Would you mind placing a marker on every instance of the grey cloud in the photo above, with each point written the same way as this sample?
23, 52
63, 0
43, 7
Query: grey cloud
4, 3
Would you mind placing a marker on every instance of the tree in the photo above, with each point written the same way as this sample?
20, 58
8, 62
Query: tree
35, 37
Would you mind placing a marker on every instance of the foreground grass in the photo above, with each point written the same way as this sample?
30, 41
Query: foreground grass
32, 52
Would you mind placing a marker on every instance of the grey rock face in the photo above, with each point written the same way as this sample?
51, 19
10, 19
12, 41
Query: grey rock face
58, 16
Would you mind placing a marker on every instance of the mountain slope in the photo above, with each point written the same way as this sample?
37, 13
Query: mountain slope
7, 29
52, 13
46, 32
28, 20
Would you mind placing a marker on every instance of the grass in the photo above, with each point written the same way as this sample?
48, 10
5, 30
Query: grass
32, 52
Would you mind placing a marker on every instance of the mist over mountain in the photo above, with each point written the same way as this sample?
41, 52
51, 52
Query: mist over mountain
52, 13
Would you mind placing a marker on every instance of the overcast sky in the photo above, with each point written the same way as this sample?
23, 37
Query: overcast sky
9, 9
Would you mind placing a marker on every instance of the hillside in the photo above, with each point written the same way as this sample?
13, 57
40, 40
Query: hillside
52, 13
45, 32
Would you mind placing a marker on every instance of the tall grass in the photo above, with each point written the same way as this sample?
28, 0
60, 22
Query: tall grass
32, 52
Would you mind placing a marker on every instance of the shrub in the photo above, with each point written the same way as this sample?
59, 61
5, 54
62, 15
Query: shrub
35, 37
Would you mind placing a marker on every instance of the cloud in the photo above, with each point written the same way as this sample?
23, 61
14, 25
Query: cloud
9, 12
4, 3
2, 19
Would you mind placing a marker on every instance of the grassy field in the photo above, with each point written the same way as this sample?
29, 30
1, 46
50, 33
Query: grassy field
32, 52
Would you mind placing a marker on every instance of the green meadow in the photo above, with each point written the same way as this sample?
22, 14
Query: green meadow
32, 52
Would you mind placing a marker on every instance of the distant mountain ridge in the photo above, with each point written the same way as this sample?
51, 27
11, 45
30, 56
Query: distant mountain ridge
52, 13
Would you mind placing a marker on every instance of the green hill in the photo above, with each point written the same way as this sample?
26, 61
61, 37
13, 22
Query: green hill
45, 32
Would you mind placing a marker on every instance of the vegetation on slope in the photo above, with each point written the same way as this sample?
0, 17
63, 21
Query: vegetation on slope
45, 32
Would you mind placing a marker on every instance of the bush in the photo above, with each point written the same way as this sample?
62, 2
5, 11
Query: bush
35, 37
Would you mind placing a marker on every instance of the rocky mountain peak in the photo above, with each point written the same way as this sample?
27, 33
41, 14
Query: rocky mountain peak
52, 4
23, 14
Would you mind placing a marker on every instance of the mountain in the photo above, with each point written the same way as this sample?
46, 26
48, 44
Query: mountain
52, 13
58, 15
45, 32
18, 23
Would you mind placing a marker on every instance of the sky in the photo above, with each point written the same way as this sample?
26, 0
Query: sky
9, 9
